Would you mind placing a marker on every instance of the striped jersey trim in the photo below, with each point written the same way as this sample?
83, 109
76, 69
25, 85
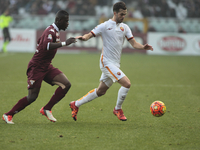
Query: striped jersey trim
129, 38
93, 34
112, 73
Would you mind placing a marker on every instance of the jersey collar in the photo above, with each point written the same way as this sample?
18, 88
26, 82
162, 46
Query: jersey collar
113, 22
54, 25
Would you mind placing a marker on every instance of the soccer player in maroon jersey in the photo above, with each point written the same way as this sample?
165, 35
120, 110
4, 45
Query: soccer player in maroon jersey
40, 68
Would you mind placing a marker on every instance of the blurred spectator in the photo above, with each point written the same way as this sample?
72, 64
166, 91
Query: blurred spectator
47, 6
177, 5
137, 13
5, 20
72, 7
136, 29
151, 29
144, 8
181, 30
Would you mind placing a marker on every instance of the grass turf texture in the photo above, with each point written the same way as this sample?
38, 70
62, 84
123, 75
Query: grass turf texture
175, 80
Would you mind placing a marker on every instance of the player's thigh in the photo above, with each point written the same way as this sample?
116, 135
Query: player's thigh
113, 72
60, 78
55, 76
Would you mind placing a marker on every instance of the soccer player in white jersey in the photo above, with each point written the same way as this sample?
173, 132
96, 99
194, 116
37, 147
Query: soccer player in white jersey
113, 33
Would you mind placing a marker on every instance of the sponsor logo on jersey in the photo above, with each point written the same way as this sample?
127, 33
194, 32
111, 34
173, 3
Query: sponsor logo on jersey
109, 29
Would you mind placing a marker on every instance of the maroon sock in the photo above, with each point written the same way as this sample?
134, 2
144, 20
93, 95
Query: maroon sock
22, 103
58, 95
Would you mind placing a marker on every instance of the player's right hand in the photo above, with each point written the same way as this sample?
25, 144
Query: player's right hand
80, 38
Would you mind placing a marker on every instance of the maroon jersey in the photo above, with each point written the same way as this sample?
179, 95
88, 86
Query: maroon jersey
43, 56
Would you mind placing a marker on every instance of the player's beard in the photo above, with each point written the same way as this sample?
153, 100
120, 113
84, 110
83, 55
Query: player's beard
119, 20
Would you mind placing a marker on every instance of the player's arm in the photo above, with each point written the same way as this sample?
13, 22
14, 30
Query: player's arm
85, 37
139, 46
53, 45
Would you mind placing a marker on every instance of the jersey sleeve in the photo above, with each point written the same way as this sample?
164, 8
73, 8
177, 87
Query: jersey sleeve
98, 29
49, 36
128, 33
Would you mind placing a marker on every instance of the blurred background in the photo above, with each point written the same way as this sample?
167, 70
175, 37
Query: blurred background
172, 27
181, 16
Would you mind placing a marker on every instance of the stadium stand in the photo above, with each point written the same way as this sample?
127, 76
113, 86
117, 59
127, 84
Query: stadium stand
162, 15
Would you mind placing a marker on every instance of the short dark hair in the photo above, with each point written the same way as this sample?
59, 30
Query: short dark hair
119, 5
61, 14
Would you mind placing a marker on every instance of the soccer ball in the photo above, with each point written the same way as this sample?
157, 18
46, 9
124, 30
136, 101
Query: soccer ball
158, 108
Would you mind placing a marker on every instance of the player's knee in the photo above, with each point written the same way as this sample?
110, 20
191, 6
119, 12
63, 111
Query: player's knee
128, 85
67, 86
100, 93
32, 98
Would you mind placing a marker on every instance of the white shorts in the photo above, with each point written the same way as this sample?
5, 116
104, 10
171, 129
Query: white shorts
110, 73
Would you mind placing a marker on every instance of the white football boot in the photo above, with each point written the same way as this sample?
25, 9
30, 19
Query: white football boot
48, 114
7, 119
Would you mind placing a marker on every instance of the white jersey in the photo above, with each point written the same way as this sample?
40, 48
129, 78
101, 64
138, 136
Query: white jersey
113, 36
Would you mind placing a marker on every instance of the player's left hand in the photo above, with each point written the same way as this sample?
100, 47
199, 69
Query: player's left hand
71, 40
148, 47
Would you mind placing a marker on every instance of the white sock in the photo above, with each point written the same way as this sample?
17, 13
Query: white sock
121, 97
87, 98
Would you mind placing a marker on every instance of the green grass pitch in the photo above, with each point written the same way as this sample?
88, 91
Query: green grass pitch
175, 80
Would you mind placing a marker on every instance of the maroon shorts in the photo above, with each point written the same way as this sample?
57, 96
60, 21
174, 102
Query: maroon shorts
36, 75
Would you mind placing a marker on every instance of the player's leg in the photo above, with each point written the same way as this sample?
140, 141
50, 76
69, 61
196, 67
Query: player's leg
21, 104
97, 92
6, 39
116, 74
64, 86
122, 93
91, 95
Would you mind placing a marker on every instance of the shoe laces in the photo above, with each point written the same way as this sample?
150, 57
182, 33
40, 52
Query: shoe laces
120, 112
9, 118
75, 109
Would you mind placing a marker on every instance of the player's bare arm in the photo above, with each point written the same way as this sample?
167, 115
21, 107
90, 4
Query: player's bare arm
61, 44
139, 46
85, 37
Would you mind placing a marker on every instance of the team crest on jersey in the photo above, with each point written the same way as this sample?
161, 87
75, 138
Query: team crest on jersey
32, 82
119, 73
49, 36
122, 28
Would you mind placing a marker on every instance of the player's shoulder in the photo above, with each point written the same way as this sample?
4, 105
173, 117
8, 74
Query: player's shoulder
50, 30
124, 25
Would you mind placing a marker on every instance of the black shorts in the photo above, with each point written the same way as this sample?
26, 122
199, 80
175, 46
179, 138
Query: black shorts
6, 34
